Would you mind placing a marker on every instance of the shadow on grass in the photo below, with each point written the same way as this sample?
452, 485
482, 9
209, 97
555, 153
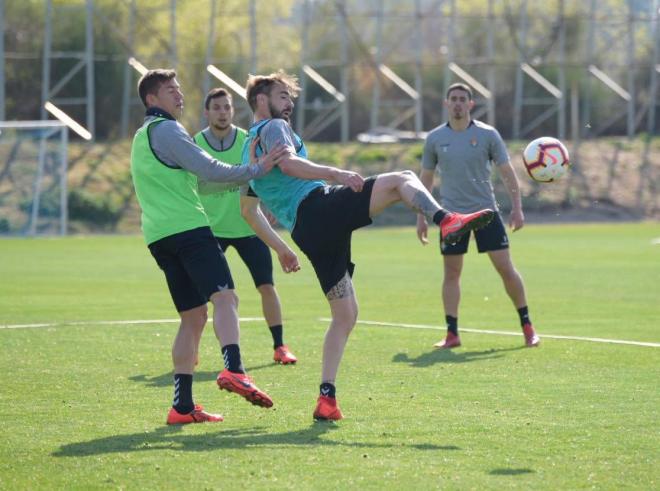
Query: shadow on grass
167, 379
173, 438
451, 356
510, 472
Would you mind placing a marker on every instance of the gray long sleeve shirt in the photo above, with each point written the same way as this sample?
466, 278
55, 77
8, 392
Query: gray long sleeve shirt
172, 144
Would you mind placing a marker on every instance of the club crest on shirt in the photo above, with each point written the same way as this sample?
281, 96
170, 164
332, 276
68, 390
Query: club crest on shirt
473, 142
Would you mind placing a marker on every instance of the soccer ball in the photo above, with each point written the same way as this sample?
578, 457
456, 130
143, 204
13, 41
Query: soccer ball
546, 159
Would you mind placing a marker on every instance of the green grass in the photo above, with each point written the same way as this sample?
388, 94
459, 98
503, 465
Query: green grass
82, 406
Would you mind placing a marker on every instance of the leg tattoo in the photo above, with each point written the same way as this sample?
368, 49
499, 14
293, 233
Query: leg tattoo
422, 203
343, 289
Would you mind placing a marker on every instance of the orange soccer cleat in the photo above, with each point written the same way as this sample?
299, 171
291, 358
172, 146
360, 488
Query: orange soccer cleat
242, 384
455, 225
327, 409
284, 356
531, 338
451, 341
197, 415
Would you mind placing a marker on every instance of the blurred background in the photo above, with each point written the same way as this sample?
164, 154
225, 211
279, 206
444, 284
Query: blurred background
374, 73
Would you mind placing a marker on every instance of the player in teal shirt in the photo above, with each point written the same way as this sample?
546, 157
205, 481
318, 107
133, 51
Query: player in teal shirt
224, 141
321, 217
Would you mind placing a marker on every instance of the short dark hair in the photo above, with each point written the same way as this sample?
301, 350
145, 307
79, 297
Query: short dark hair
263, 84
151, 81
214, 94
459, 86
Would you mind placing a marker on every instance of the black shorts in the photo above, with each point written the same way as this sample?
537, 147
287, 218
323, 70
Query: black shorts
194, 266
256, 256
325, 222
492, 237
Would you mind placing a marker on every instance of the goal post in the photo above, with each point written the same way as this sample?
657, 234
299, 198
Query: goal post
33, 178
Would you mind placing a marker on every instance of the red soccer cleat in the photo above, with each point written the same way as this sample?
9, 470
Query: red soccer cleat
242, 384
451, 341
531, 338
455, 225
197, 415
284, 356
327, 409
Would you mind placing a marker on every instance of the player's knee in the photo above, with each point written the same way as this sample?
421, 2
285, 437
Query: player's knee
266, 290
352, 316
408, 174
509, 274
194, 319
405, 176
344, 324
225, 299
203, 315
347, 317
452, 275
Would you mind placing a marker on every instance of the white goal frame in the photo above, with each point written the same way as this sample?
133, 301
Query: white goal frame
49, 128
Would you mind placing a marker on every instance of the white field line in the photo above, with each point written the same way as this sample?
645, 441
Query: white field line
109, 323
325, 319
506, 333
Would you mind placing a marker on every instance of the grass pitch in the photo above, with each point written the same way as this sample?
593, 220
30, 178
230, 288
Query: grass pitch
83, 404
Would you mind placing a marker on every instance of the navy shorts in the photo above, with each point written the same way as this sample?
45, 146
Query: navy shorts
256, 256
325, 222
492, 237
194, 266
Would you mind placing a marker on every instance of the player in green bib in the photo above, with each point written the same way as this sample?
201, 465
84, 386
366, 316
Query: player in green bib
164, 164
224, 141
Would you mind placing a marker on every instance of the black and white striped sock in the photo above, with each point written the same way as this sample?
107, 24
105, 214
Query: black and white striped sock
231, 354
183, 401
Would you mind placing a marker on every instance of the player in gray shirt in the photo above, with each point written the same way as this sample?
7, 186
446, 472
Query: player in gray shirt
462, 152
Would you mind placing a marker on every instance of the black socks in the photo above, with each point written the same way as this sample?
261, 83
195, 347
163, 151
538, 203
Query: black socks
524, 316
276, 332
231, 353
439, 215
327, 389
183, 401
452, 324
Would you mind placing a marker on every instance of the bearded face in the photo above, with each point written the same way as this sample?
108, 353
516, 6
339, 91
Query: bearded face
280, 103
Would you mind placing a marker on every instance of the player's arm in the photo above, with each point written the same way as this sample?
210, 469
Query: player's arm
427, 176
293, 165
278, 132
173, 145
500, 157
255, 218
510, 180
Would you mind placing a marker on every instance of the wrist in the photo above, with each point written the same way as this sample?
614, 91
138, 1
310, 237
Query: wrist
280, 246
258, 169
336, 174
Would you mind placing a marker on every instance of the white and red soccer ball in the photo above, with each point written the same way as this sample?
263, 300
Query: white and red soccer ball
546, 159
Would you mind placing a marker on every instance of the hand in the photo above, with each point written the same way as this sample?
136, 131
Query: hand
422, 229
516, 219
253, 150
288, 260
351, 179
272, 158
